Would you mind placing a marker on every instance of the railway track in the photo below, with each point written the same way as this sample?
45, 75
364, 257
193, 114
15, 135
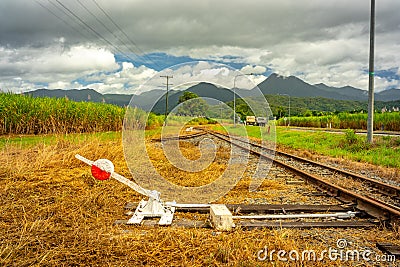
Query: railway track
180, 137
270, 210
376, 198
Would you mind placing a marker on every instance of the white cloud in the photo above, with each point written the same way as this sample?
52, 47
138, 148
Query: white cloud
226, 54
52, 65
127, 80
94, 68
15, 86
253, 69
60, 85
74, 60
381, 83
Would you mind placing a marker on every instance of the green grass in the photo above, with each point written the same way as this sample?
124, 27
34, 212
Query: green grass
250, 131
26, 141
384, 152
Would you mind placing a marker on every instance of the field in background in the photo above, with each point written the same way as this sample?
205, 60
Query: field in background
389, 121
384, 152
22, 114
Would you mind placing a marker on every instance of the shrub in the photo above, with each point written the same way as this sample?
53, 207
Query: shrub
350, 137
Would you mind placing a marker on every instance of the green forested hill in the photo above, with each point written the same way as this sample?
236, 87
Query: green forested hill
307, 106
279, 103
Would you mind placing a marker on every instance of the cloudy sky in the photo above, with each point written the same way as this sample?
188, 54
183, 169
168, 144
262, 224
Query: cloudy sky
115, 46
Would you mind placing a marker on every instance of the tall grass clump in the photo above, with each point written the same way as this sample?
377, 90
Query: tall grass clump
154, 121
350, 137
21, 114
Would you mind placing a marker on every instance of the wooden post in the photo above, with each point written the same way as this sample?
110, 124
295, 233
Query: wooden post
221, 217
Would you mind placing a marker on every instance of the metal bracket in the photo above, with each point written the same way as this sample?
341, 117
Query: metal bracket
152, 208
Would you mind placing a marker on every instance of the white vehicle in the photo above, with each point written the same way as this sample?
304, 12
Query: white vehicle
261, 121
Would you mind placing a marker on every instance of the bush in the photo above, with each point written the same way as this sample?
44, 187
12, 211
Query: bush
154, 121
350, 137
352, 143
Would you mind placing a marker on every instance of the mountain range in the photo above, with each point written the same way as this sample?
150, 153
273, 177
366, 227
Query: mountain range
273, 85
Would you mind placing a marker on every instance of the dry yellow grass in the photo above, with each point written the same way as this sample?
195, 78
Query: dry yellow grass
53, 213
184, 178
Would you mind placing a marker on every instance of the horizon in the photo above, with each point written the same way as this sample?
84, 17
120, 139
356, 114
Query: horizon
219, 87
181, 88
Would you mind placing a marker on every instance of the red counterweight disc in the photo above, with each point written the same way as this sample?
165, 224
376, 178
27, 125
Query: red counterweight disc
102, 169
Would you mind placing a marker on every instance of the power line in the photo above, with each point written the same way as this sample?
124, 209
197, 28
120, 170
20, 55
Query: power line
72, 19
124, 33
85, 24
93, 30
60, 18
105, 26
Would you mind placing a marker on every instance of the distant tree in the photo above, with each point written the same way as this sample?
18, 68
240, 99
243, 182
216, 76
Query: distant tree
307, 113
187, 96
244, 110
280, 111
192, 105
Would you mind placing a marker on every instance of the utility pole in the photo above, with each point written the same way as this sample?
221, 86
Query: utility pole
370, 122
166, 96
220, 111
289, 107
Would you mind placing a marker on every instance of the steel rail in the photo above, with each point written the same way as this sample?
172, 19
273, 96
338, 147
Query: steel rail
180, 137
371, 206
256, 208
385, 188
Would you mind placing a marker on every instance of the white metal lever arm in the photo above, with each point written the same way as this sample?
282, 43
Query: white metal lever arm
133, 185
122, 179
